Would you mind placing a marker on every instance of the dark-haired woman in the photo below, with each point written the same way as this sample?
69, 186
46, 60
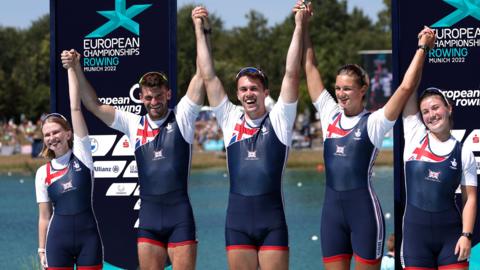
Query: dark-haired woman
67, 229
352, 220
435, 234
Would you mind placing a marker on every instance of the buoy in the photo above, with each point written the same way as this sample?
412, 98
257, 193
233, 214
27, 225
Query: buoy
299, 184
320, 168
388, 215
314, 238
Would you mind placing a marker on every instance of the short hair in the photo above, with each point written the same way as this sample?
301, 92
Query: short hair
253, 73
63, 122
153, 79
354, 70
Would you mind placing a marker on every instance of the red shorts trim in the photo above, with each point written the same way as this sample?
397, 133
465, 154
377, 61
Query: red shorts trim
336, 258
453, 266
367, 261
241, 247
273, 248
150, 241
184, 243
93, 267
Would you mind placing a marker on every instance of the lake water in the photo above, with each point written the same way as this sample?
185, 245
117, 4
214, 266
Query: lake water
303, 190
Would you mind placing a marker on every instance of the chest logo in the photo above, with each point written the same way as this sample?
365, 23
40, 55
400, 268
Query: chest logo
169, 128
433, 176
251, 155
68, 186
454, 164
76, 166
340, 151
157, 155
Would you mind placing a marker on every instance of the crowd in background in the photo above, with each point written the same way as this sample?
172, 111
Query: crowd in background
25, 136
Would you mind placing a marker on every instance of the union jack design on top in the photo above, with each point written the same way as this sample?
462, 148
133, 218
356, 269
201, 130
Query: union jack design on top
335, 129
422, 153
241, 131
145, 132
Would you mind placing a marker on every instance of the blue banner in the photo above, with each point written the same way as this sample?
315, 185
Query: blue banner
451, 66
119, 40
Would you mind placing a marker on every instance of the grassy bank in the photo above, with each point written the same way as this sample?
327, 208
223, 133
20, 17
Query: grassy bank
201, 160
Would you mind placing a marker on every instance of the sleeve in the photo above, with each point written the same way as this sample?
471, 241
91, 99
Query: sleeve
282, 117
378, 125
40, 186
412, 125
186, 114
125, 122
326, 107
469, 168
82, 150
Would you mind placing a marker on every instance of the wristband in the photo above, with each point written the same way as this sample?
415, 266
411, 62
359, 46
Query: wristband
424, 47
468, 235
207, 31
41, 250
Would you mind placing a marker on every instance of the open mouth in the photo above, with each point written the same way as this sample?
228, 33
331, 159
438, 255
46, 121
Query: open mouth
250, 101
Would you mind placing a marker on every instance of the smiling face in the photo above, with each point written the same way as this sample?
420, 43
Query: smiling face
155, 100
251, 94
56, 138
436, 114
349, 94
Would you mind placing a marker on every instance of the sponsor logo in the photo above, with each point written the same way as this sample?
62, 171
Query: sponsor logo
120, 17
76, 166
433, 176
358, 135
93, 145
131, 171
340, 151
123, 147
121, 189
475, 139
454, 164
108, 169
169, 128
264, 130
101, 144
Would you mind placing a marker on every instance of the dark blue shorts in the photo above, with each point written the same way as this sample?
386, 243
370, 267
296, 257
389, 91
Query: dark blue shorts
256, 222
352, 223
429, 238
168, 220
74, 239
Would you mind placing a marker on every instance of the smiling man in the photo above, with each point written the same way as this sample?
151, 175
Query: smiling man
163, 144
257, 144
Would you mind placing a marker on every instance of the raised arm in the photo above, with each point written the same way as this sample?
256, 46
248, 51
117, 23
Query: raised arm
88, 95
44, 215
291, 80
213, 85
407, 89
314, 79
469, 196
78, 122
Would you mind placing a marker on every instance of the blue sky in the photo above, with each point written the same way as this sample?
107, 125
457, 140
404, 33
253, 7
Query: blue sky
15, 12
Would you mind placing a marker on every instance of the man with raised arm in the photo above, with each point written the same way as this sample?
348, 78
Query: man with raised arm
257, 144
163, 146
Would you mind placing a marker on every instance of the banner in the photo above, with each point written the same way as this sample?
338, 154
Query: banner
119, 40
451, 66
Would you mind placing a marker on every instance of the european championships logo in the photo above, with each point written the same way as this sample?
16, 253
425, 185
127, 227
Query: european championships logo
120, 17
102, 53
464, 9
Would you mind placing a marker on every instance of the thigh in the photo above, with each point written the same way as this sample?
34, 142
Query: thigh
151, 256
276, 239
417, 251
242, 259
449, 236
367, 225
183, 257
59, 247
334, 234
91, 251
273, 259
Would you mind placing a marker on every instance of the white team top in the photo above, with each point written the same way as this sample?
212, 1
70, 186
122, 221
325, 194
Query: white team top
377, 125
185, 114
234, 126
415, 131
81, 149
